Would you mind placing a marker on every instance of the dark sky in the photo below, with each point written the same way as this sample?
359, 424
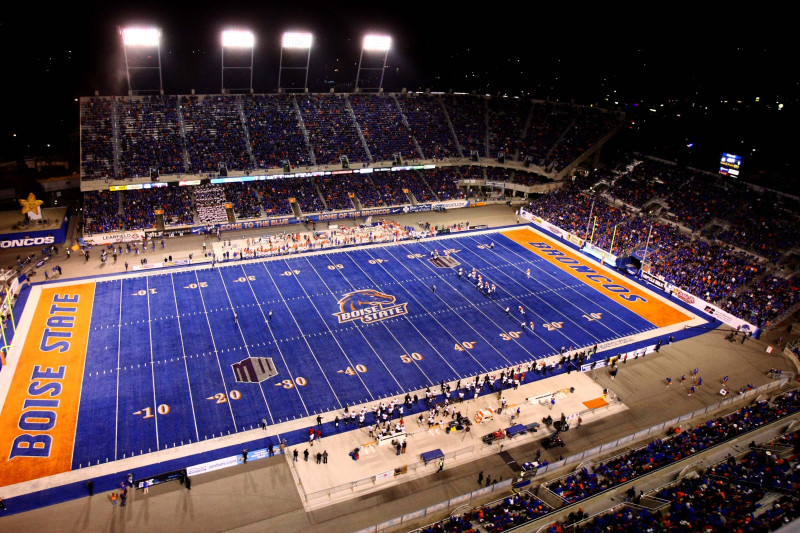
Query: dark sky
649, 54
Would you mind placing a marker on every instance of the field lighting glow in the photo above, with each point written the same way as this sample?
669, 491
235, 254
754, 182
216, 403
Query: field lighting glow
293, 39
379, 43
141, 36
238, 39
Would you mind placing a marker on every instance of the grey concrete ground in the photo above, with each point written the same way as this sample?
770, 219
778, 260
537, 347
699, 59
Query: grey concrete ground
268, 494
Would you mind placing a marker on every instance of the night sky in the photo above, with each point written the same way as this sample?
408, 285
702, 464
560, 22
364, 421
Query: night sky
648, 56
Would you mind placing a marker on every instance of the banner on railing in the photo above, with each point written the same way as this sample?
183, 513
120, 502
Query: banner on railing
574, 239
114, 237
713, 310
658, 281
211, 466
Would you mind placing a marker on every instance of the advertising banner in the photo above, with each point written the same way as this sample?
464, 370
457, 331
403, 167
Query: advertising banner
158, 479
658, 281
213, 465
574, 239
713, 310
112, 238
168, 232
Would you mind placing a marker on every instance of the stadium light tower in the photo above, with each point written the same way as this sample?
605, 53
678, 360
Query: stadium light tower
138, 44
296, 43
238, 43
374, 45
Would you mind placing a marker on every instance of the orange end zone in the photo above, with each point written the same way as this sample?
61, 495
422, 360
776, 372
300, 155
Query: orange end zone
40, 413
627, 294
595, 404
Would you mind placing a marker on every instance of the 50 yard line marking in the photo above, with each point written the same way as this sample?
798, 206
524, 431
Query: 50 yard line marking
383, 324
344, 353
406, 317
356, 325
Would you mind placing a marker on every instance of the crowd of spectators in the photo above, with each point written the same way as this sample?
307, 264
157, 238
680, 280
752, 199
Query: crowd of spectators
507, 117
245, 200
140, 205
305, 193
710, 268
428, 123
442, 181
215, 134
331, 129
275, 131
417, 185
729, 496
383, 128
390, 186
661, 452
101, 212
765, 299
468, 116
337, 191
549, 122
149, 136
97, 138
508, 513
589, 126
275, 196
244, 132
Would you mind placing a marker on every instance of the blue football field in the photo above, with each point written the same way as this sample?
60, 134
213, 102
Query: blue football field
184, 356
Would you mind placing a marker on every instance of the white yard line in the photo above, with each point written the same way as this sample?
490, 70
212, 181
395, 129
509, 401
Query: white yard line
185, 364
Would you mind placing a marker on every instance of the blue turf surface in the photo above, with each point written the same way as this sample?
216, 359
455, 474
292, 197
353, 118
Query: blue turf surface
158, 367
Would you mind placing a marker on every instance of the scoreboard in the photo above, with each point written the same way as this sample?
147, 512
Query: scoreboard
729, 165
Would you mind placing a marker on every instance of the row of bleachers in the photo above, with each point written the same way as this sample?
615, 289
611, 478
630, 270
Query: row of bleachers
383, 128
97, 138
275, 131
661, 452
214, 133
725, 497
510, 512
729, 496
468, 116
246, 201
331, 130
150, 136
160, 132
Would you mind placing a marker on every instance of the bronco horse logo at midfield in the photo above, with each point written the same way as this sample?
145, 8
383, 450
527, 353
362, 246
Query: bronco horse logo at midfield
369, 306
